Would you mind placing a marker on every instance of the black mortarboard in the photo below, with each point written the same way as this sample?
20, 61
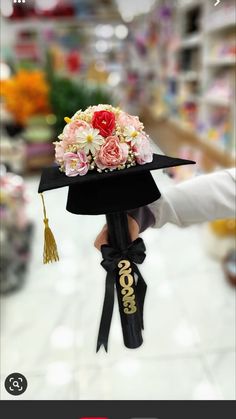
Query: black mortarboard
107, 192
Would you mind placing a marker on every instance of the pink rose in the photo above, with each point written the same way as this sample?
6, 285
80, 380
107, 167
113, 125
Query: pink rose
142, 150
75, 164
59, 152
112, 153
69, 131
126, 120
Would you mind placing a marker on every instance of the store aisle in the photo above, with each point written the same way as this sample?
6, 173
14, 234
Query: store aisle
49, 328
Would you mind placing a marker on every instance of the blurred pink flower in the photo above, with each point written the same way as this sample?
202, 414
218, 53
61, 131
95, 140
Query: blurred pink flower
112, 153
59, 152
126, 120
142, 150
75, 164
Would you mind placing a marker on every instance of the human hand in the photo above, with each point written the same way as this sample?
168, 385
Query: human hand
102, 237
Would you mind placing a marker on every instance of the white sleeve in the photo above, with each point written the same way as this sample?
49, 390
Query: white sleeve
204, 198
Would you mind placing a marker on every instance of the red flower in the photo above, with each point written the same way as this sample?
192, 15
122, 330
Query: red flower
104, 121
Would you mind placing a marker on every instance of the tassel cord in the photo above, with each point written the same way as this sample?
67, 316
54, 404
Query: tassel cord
50, 253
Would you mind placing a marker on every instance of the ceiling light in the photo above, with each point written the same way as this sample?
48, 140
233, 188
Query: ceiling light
5, 71
104, 31
121, 31
113, 79
131, 8
101, 46
107, 31
6, 8
45, 4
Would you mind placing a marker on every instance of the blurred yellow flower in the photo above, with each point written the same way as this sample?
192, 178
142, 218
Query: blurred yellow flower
224, 227
26, 94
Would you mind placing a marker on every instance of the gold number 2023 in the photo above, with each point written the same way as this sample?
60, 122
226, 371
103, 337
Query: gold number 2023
126, 281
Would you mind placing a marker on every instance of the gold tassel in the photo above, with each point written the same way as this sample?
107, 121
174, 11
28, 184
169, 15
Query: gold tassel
50, 253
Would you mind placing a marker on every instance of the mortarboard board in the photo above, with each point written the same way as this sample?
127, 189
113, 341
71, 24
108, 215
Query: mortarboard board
118, 190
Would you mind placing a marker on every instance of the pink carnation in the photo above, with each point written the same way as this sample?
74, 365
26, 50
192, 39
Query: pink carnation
75, 164
126, 120
112, 153
142, 150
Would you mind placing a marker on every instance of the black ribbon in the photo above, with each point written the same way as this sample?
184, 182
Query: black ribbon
135, 253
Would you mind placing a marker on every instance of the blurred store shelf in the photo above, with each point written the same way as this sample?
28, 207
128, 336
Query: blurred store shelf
165, 130
222, 23
220, 157
221, 62
216, 101
191, 41
188, 76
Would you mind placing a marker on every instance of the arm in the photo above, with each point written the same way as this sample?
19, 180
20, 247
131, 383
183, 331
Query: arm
204, 198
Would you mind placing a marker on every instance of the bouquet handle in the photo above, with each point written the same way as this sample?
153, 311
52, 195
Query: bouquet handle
125, 281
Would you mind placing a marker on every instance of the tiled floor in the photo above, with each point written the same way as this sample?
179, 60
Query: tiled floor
49, 328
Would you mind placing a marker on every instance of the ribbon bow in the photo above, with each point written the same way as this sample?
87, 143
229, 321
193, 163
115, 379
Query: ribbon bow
135, 253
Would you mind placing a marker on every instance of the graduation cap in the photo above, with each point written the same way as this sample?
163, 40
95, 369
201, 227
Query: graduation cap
103, 193
114, 191
95, 187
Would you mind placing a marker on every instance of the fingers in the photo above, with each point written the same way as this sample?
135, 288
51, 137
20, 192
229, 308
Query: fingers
102, 238
133, 228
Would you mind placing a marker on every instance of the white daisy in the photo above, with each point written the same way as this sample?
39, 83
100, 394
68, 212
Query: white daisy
131, 135
89, 139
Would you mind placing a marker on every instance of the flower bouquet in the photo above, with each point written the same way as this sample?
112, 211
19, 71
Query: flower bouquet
105, 157
102, 138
